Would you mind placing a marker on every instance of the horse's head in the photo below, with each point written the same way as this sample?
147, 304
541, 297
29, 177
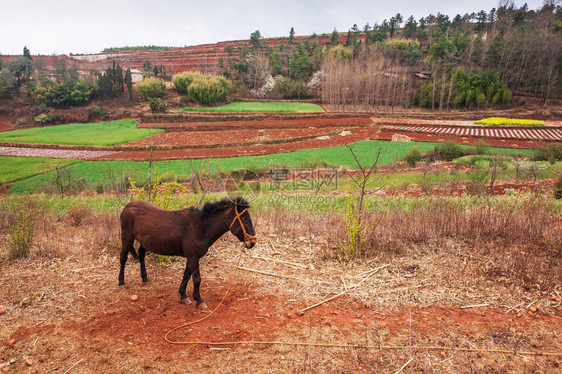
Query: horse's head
241, 225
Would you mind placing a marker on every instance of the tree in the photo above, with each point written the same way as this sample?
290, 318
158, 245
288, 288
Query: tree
334, 38
291, 36
481, 18
410, 28
129, 83
7, 83
300, 67
395, 23
255, 39
258, 69
26, 53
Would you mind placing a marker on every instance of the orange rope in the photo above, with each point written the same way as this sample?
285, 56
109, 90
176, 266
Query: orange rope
360, 346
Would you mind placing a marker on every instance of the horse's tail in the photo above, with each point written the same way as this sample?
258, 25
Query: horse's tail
134, 253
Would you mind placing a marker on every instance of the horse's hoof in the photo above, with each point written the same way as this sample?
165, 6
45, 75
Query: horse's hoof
202, 306
186, 301
144, 280
121, 283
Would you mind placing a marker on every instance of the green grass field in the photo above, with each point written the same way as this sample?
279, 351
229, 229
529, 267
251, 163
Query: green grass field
95, 173
102, 133
285, 107
16, 168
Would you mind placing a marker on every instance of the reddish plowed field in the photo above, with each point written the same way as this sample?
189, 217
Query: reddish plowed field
209, 138
356, 135
265, 124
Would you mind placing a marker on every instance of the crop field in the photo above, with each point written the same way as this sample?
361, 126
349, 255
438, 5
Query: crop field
450, 264
102, 134
257, 107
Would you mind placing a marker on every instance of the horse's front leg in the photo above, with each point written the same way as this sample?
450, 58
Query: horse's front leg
183, 285
193, 263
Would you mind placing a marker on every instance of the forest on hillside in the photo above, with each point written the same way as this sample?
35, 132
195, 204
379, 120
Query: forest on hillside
473, 61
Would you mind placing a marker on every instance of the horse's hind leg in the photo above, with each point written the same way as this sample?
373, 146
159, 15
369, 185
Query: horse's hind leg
127, 245
183, 285
193, 264
142, 252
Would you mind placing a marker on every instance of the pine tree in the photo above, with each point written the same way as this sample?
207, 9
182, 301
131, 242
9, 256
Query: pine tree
335, 36
291, 36
129, 83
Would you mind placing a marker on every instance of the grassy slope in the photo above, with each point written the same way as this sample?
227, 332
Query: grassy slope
103, 133
16, 168
96, 172
262, 107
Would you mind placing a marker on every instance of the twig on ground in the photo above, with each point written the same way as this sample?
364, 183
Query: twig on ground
281, 276
513, 307
341, 293
403, 366
474, 306
70, 368
279, 261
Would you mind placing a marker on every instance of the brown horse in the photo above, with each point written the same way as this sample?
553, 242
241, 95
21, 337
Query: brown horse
188, 233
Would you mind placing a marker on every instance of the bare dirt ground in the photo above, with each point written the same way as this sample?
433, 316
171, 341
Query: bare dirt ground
232, 137
65, 312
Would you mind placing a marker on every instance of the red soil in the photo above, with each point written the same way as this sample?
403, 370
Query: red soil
356, 135
139, 328
207, 138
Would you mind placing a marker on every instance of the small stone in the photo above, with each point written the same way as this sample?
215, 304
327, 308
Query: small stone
282, 357
134, 297
28, 362
5, 370
529, 313
267, 315
11, 342
300, 313
533, 309
443, 354
2, 310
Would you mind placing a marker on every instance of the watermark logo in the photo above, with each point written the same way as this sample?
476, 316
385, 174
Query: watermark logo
282, 184
303, 179
243, 183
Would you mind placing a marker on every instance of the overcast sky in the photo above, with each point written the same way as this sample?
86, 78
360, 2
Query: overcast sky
85, 26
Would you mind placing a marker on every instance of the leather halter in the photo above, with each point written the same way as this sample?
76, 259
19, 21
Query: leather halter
237, 217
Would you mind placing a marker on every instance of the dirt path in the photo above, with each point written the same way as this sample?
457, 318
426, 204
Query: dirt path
52, 153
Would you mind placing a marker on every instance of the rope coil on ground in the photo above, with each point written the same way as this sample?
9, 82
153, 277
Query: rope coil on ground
327, 345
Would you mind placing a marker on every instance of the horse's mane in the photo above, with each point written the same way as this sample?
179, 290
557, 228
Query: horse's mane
219, 206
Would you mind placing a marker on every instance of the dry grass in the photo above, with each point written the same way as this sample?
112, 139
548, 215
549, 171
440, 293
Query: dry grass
63, 304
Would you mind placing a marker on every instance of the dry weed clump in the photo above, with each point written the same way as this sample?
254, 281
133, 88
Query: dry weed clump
518, 240
523, 241
18, 220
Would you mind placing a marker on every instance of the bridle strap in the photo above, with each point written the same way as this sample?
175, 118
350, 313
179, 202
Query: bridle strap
237, 217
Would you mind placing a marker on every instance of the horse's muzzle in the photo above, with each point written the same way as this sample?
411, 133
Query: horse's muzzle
250, 243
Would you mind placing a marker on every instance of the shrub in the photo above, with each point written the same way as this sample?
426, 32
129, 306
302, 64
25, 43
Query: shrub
19, 217
413, 157
550, 153
558, 189
449, 151
151, 87
96, 112
290, 89
481, 148
182, 81
209, 89
45, 118
156, 104
63, 95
